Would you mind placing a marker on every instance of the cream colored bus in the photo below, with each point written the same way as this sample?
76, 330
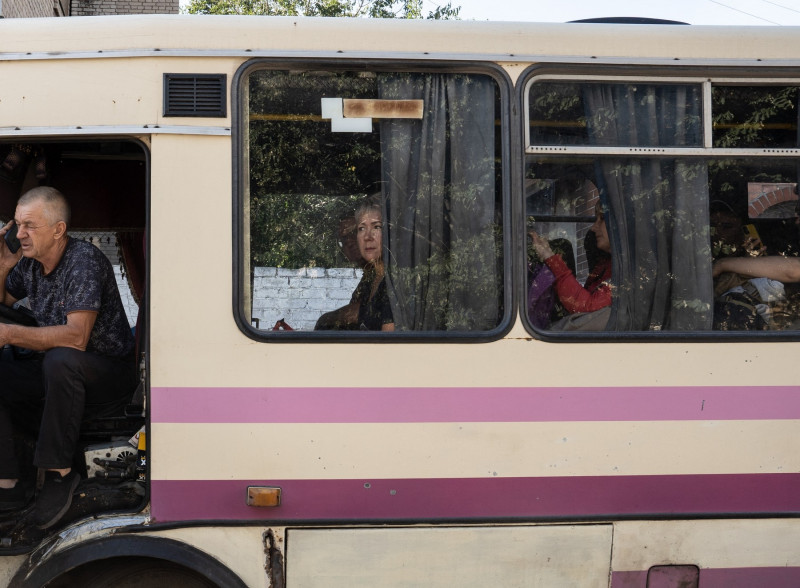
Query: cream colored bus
426, 303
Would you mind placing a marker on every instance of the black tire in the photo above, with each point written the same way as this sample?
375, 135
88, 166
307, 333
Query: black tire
132, 572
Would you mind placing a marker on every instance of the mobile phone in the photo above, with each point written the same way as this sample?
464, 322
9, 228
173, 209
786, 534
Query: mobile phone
750, 231
11, 239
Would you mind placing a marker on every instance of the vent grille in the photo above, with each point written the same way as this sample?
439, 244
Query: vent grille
195, 95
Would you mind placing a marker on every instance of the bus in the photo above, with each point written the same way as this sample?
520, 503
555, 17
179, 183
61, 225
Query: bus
361, 259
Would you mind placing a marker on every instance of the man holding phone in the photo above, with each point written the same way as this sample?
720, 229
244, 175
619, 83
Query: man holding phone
85, 344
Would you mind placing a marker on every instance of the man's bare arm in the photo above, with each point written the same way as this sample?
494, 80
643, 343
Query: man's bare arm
74, 334
774, 267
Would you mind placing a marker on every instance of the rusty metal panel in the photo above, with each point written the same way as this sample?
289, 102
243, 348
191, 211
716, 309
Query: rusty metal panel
357, 108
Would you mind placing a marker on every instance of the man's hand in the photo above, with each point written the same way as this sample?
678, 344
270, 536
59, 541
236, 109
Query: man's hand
754, 247
7, 262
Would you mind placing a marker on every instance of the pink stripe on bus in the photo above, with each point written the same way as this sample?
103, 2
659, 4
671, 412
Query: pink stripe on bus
480, 498
417, 405
771, 577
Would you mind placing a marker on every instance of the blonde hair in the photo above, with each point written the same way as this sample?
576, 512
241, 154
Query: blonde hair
370, 204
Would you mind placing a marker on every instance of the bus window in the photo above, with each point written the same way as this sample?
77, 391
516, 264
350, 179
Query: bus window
754, 116
675, 200
616, 114
424, 150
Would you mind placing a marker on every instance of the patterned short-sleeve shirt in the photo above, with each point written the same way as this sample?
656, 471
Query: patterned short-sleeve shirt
82, 280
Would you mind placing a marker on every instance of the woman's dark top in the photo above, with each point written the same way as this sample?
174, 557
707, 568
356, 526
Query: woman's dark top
375, 312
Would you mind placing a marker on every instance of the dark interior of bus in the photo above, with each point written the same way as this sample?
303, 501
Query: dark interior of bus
105, 182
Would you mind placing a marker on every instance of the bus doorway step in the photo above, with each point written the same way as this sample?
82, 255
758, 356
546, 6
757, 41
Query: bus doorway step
18, 532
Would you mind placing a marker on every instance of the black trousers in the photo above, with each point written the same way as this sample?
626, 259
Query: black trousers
48, 396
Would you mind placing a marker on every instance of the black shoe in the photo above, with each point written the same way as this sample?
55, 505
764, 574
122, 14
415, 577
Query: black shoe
54, 499
12, 498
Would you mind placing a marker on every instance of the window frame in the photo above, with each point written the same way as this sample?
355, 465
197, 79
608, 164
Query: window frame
239, 110
707, 76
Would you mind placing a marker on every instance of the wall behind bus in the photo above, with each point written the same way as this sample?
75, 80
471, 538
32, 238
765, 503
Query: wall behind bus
112, 7
33, 8
45, 8
300, 296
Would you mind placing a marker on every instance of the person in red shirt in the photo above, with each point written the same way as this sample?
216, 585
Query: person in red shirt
596, 292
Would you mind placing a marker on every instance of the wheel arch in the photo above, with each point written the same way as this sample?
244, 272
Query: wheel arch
36, 573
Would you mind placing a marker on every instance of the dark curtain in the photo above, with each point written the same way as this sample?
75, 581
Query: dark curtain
657, 206
438, 177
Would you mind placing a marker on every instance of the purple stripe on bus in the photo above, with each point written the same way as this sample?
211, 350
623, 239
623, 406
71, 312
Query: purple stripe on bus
631, 579
749, 577
420, 499
772, 577
433, 405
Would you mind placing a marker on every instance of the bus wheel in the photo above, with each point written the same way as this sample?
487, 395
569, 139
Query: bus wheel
132, 572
